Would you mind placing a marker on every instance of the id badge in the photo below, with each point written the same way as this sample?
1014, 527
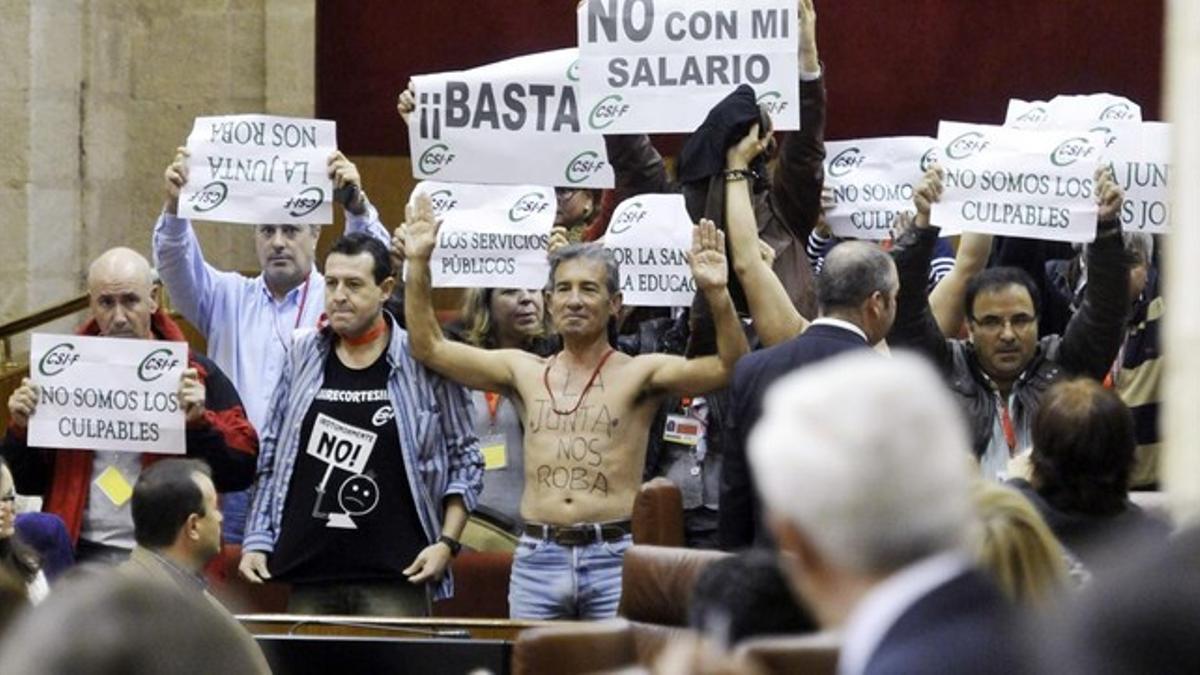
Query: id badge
495, 452
683, 430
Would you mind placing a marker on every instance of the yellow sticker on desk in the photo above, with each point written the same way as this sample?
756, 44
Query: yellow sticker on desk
114, 486
495, 455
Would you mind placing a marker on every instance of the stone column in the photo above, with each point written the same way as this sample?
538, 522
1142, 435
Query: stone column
1181, 463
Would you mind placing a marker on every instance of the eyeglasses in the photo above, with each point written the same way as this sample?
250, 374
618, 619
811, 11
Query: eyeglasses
996, 324
8, 498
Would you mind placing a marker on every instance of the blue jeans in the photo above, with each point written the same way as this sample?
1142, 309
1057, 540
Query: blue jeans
566, 582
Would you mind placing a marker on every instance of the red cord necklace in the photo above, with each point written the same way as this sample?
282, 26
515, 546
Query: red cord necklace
367, 337
586, 388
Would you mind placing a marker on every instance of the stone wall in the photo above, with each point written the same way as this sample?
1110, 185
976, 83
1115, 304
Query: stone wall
94, 97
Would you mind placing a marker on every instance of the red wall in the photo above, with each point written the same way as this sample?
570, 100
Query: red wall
893, 66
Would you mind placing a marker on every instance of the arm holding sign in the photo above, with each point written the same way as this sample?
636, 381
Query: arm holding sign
486, 369
915, 326
1094, 334
775, 317
691, 377
217, 429
361, 215
30, 467
974, 249
202, 293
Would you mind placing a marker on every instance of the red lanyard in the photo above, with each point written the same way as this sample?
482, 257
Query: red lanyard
1006, 423
303, 299
493, 404
586, 388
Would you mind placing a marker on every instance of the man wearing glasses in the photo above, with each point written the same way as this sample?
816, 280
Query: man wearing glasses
1001, 371
248, 322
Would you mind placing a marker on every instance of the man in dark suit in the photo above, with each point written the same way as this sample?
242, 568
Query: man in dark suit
863, 469
856, 294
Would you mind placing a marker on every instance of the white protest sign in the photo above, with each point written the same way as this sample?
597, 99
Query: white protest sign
659, 66
1021, 183
650, 236
492, 236
259, 169
101, 393
1140, 153
340, 445
513, 122
872, 181
1071, 111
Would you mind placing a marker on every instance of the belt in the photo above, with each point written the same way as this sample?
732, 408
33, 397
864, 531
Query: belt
581, 534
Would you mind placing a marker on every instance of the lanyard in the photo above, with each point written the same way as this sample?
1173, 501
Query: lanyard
493, 404
583, 394
303, 299
1114, 373
1006, 424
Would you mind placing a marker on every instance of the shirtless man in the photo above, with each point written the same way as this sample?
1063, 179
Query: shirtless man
587, 412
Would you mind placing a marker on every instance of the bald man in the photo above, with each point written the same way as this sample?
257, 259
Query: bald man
77, 484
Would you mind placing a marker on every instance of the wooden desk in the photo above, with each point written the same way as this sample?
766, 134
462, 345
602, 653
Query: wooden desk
369, 626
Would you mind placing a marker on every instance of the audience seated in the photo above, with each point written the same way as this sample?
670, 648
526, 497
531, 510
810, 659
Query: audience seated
1083, 451
16, 557
746, 596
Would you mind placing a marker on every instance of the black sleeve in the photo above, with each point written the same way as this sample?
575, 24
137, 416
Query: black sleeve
638, 168
797, 182
224, 439
736, 513
1094, 335
915, 326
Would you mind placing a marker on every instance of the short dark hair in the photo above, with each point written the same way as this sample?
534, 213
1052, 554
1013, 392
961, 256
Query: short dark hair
164, 496
746, 595
594, 251
1083, 448
853, 270
356, 243
995, 278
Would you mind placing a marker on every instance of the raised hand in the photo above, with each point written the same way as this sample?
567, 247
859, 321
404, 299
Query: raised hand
739, 156
23, 402
1109, 195
406, 103
928, 192
806, 28
420, 229
176, 176
191, 396
707, 257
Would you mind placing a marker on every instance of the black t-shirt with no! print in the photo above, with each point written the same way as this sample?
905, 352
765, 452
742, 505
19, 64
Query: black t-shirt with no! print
350, 514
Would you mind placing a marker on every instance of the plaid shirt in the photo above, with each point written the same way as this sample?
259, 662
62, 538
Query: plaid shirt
433, 418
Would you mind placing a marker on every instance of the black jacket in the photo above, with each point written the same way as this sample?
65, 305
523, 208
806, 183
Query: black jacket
1087, 348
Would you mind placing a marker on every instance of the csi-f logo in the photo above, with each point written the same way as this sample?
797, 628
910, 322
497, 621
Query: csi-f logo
626, 219
573, 71
929, 159
435, 158
209, 197
156, 364
1035, 115
846, 161
305, 202
1117, 111
527, 205
57, 359
443, 201
1071, 150
773, 102
607, 110
583, 166
968, 144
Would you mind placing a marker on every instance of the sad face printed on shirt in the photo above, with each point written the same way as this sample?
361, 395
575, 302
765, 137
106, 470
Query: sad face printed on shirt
346, 449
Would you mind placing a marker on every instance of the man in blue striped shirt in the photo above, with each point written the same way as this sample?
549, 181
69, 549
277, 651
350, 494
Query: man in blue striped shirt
248, 322
369, 463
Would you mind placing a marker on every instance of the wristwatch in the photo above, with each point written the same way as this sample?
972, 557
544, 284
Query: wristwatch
453, 544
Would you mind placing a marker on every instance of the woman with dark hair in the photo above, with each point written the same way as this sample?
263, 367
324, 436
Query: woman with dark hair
1083, 451
16, 558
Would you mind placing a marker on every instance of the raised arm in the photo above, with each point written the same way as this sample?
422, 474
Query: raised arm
775, 317
361, 215
946, 299
690, 377
487, 369
801, 171
1093, 336
915, 326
